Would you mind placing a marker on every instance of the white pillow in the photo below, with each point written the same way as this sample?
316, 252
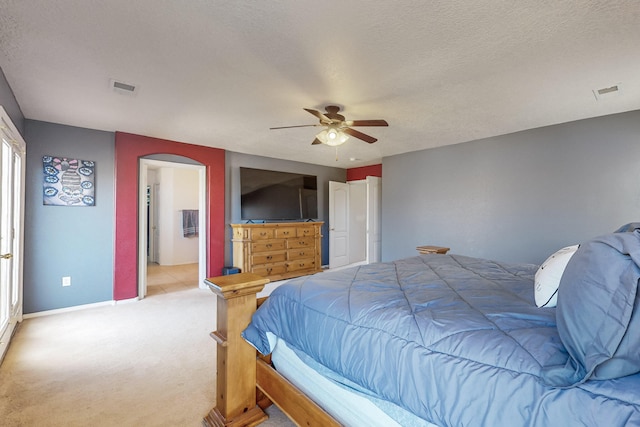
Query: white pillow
549, 274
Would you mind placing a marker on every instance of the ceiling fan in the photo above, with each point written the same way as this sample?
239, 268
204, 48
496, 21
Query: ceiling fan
337, 129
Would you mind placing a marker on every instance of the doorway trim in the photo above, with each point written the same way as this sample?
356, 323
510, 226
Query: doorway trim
142, 219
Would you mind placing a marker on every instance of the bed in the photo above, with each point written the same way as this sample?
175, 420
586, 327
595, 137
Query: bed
450, 340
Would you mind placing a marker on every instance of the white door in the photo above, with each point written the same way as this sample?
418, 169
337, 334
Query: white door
374, 203
338, 224
12, 155
358, 222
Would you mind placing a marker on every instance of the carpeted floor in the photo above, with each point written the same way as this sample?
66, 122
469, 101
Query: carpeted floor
145, 363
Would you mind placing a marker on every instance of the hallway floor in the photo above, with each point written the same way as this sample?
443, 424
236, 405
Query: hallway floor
171, 278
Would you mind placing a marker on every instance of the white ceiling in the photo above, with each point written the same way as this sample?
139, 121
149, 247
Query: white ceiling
221, 73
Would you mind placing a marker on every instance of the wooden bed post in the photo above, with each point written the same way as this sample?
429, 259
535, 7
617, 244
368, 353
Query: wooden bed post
236, 359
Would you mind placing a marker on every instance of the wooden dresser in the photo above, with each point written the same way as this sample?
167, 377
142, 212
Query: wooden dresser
278, 250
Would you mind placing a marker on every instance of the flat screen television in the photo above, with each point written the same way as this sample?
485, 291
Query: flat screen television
277, 196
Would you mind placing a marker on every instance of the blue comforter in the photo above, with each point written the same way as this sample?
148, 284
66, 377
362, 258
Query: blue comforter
457, 341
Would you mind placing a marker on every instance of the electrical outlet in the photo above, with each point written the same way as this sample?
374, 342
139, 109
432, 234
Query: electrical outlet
66, 281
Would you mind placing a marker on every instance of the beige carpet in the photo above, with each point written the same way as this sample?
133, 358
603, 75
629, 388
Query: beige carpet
145, 363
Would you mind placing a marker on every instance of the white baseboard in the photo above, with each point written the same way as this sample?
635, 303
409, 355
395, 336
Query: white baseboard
126, 301
77, 307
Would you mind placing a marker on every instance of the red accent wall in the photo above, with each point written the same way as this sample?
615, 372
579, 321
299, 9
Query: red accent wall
355, 174
128, 149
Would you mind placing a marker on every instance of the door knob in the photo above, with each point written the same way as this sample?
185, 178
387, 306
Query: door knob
6, 256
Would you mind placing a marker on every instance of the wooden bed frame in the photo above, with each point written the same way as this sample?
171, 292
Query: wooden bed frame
247, 384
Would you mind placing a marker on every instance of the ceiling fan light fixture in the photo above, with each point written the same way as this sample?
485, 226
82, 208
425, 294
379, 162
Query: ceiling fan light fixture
332, 137
336, 130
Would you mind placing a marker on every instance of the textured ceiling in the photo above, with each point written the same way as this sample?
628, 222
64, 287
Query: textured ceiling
221, 73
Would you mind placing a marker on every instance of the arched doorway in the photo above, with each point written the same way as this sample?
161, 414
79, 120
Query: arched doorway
149, 237
129, 148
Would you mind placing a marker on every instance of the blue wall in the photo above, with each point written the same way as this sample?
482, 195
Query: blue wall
68, 241
516, 197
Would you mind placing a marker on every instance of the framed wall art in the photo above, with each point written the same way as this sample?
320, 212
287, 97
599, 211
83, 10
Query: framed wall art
68, 182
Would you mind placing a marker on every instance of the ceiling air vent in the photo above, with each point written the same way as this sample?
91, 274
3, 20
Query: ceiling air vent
607, 92
122, 88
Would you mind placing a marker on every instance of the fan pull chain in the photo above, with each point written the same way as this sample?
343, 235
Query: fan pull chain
336, 154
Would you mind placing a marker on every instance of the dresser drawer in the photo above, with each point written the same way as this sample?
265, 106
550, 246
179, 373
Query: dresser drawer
305, 232
262, 234
301, 264
285, 232
301, 242
269, 270
268, 245
268, 258
299, 253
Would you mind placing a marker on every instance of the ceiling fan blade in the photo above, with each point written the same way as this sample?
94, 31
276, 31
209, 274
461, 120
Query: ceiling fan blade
316, 141
359, 135
367, 123
318, 114
289, 127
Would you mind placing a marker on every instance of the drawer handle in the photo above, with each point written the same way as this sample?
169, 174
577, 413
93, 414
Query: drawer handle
269, 245
301, 253
301, 264
269, 257
285, 232
269, 270
264, 233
